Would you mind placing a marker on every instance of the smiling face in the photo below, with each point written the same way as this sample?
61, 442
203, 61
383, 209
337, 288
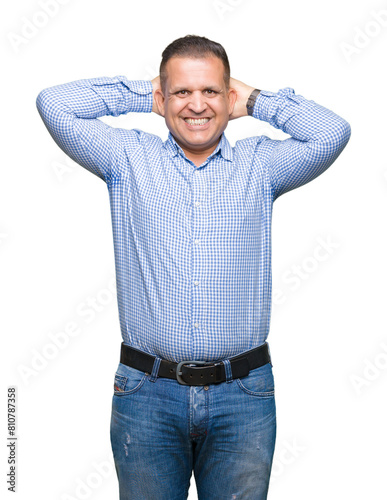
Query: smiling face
196, 104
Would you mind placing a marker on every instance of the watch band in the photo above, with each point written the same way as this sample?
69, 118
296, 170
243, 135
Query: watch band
251, 101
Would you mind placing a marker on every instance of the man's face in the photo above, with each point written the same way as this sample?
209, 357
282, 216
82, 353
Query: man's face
196, 104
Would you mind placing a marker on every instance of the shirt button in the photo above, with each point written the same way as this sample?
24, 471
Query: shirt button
197, 242
196, 325
197, 203
196, 282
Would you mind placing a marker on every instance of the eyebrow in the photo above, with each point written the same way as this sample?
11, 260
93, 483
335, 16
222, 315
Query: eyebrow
210, 87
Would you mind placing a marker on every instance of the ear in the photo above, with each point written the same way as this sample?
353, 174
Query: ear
160, 101
232, 97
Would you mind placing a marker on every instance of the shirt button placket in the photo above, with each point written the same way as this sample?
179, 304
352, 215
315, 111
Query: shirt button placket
198, 231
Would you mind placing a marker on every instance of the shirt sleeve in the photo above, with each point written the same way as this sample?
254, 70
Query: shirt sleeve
318, 136
70, 113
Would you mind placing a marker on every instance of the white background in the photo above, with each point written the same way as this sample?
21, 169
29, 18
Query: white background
328, 334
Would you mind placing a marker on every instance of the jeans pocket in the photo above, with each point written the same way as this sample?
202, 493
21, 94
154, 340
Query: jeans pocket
128, 380
259, 382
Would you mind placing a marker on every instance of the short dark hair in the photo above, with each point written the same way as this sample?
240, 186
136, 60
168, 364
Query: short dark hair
196, 47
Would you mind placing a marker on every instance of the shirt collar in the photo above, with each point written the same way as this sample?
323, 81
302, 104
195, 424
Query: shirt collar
223, 147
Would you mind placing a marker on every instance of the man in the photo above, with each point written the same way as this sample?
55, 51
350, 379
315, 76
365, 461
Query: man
191, 218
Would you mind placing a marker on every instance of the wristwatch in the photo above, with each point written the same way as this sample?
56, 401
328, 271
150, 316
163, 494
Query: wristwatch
251, 101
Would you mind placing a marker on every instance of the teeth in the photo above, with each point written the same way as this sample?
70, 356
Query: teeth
200, 121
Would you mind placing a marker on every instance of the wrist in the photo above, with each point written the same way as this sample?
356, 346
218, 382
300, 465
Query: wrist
251, 100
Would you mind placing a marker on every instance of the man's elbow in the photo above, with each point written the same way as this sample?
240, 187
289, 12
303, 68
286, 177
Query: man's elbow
344, 132
324, 149
334, 140
41, 101
50, 108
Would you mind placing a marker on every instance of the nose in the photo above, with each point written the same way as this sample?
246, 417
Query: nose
197, 102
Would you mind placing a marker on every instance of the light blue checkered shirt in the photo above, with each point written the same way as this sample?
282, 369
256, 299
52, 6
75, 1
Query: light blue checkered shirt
192, 244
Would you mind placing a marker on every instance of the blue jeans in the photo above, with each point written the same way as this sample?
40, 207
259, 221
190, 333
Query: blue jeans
161, 430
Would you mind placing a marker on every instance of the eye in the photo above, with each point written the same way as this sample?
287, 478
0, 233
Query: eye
181, 92
211, 92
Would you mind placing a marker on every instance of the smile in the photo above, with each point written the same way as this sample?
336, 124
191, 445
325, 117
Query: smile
196, 121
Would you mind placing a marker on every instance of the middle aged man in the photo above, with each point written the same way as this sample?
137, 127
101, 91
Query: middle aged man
191, 217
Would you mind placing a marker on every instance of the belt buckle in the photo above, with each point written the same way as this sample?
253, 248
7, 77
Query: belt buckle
179, 372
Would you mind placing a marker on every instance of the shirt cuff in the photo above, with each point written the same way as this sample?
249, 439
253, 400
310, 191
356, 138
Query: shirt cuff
142, 95
266, 101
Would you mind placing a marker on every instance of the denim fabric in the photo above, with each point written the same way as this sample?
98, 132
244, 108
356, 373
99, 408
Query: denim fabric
162, 431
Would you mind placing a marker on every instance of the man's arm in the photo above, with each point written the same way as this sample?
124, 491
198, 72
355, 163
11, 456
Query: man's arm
318, 136
70, 113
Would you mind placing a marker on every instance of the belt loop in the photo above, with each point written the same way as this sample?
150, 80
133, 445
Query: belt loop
155, 369
227, 367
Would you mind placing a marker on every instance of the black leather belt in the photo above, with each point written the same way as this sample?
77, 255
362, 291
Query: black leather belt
205, 372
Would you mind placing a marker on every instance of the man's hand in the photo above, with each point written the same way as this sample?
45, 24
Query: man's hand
243, 93
156, 86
